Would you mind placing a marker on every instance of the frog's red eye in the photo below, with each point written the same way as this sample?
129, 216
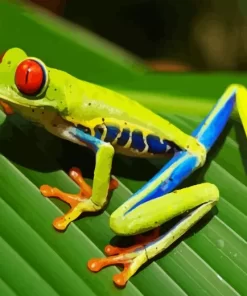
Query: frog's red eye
30, 77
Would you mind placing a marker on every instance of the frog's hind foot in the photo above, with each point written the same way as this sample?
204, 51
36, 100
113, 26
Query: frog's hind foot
131, 262
131, 258
78, 202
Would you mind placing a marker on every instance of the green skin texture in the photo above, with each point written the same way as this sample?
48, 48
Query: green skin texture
67, 101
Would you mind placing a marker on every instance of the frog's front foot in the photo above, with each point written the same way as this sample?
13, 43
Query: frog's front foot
132, 258
79, 203
6, 108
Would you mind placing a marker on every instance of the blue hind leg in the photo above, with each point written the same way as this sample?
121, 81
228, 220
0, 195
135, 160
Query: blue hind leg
154, 204
211, 127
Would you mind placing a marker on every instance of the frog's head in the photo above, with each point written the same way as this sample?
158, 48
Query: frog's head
27, 82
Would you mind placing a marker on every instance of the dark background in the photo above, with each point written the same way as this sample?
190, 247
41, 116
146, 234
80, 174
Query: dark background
168, 34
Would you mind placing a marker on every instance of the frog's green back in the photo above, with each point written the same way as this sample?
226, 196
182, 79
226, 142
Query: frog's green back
104, 102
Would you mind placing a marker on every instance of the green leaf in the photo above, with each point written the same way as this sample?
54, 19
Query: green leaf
37, 260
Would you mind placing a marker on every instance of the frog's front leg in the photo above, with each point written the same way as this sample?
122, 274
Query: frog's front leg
89, 199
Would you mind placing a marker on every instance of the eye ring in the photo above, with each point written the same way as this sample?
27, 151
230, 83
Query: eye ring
31, 77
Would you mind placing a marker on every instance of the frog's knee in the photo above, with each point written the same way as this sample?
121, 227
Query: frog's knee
121, 225
117, 224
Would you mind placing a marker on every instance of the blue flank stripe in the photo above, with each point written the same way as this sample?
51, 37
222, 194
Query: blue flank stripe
137, 141
89, 140
208, 138
124, 138
155, 146
112, 132
98, 132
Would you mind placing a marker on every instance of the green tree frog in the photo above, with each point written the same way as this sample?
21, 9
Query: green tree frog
107, 122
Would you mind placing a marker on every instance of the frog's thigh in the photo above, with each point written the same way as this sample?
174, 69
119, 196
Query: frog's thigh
154, 213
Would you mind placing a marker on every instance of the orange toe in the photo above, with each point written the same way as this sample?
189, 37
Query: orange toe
120, 279
46, 190
76, 175
111, 250
60, 223
113, 184
95, 265
75, 172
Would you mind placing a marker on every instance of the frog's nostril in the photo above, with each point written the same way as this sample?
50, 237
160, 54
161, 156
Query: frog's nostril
1, 56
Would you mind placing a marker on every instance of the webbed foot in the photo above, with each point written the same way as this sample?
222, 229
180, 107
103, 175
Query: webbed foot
79, 203
131, 258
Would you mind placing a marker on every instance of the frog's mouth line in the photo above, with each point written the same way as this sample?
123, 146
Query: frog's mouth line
18, 101
15, 99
